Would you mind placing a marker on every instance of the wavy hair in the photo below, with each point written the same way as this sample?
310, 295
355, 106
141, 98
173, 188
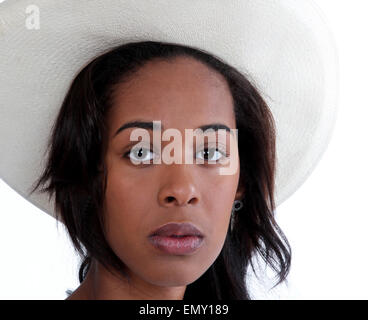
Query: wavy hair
76, 174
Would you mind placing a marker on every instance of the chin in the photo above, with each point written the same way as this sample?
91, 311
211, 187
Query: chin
175, 278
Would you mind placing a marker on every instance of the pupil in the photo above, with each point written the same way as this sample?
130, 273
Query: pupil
140, 152
209, 153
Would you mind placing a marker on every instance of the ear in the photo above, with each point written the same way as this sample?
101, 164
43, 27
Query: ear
240, 193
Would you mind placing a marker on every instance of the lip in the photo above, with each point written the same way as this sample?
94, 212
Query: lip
177, 229
176, 246
177, 238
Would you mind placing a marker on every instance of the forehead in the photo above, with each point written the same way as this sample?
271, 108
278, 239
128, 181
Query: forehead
182, 93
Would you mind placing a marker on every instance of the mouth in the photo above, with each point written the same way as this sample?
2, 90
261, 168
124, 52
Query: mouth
176, 245
177, 230
177, 238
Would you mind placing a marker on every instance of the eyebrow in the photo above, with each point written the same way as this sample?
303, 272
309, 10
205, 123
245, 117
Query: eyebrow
150, 126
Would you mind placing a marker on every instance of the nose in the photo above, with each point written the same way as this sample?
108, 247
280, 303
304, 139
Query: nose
179, 188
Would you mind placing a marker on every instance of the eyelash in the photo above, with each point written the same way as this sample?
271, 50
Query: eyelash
222, 151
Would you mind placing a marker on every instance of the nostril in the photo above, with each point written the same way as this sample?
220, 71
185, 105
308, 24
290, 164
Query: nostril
171, 199
193, 200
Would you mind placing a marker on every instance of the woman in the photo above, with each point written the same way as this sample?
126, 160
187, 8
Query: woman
178, 230
184, 88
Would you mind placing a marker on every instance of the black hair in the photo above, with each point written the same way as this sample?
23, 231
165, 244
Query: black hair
75, 172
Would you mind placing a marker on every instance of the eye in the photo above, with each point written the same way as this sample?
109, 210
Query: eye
139, 154
212, 154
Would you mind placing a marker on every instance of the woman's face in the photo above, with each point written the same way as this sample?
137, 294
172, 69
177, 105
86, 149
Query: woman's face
182, 94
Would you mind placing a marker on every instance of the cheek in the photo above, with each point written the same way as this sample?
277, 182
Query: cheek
127, 193
125, 212
119, 200
218, 196
219, 204
221, 195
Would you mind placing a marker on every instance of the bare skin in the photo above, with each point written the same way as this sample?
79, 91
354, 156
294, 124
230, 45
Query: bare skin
182, 94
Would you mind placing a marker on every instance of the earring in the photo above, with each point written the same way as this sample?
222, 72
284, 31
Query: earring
237, 205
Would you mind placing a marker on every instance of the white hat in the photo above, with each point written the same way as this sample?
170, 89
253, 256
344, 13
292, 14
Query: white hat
283, 45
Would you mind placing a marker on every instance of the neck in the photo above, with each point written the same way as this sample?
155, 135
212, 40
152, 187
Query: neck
100, 284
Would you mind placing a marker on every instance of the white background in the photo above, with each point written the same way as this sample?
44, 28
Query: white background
325, 220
